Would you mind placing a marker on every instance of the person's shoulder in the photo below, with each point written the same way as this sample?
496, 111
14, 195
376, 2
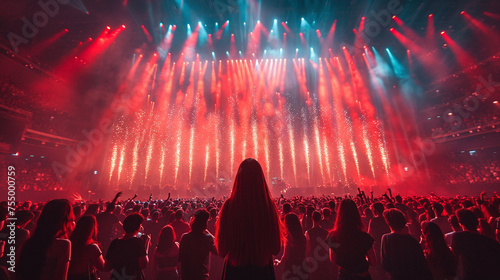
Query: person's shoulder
366, 235
61, 242
60, 245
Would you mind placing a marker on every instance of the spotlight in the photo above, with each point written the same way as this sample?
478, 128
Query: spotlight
392, 29
108, 28
462, 12
394, 16
430, 15
343, 47
442, 32
495, 102
123, 26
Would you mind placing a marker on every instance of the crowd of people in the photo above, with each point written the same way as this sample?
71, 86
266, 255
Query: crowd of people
476, 122
250, 235
468, 171
54, 121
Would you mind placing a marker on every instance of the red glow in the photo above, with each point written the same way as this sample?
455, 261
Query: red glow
148, 36
286, 27
430, 15
394, 16
495, 102
442, 33
66, 30
123, 26
462, 12
108, 28
392, 29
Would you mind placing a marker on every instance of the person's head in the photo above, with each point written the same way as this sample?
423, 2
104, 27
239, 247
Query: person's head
432, 233
467, 219
213, 213
178, 214
326, 213
56, 219
199, 223
294, 228
438, 208
287, 208
395, 219
85, 232
166, 239
310, 210
77, 211
331, 204
155, 216
348, 219
110, 207
455, 225
145, 213
368, 212
132, 223
316, 217
378, 208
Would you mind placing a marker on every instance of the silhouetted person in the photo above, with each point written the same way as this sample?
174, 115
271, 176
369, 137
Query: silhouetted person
127, 256
326, 223
317, 249
248, 230
478, 256
378, 227
180, 227
86, 256
401, 255
440, 260
195, 248
350, 245
46, 254
166, 256
440, 220
293, 263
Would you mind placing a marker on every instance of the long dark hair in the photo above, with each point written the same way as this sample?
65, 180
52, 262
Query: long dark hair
166, 239
51, 224
436, 250
84, 233
295, 233
348, 219
249, 229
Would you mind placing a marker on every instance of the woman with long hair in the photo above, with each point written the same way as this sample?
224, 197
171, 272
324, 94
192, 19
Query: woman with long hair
86, 256
166, 255
350, 245
441, 261
294, 254
47, 253
249, 231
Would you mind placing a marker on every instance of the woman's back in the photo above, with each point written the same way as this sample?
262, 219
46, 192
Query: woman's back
58, 252
82, 262
248, 230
